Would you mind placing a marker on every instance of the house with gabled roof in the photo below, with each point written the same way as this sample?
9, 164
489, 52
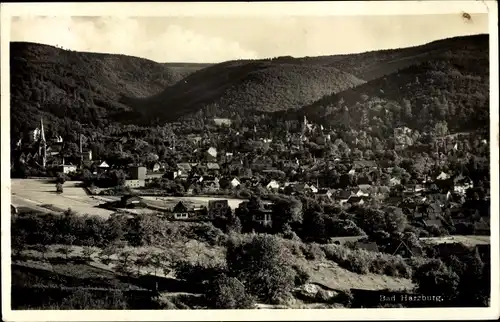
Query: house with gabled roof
342, 196
210, 183
211, 154
442, 176
482, 227
181, 211
327, 193
156, 167
394, 182
67, 168
183, 169
362, 190
235, 182
461, 184
355, 200
272, 185
212, 168
311, 188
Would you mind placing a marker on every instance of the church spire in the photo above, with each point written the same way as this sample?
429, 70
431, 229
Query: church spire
43, 144
42, 131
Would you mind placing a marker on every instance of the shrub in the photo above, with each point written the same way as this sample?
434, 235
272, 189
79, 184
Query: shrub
295, 247
313, 251
345, 298
228, 293
356, 264
59, 188
335, 253
322, 296
197, 272
206, 233
363, 262
84, 300
263, 265
61, 177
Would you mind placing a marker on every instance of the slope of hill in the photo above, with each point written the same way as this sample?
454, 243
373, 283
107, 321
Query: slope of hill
242, 85
97, 89
452, 87
375, 64
79, 86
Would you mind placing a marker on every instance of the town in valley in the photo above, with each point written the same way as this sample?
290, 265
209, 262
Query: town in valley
357, 180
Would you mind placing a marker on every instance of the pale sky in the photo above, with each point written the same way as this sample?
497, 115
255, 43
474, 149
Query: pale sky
216, 39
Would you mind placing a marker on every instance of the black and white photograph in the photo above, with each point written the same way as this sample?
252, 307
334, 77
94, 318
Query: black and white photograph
239, 161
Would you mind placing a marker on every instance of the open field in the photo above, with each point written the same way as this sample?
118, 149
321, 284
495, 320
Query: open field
470, 240
335, 277
34, 193
40, 195
169, 202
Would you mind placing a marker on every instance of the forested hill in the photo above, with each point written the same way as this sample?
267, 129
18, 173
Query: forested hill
73, 88
375, 64
452, 87
238, 86
67, 86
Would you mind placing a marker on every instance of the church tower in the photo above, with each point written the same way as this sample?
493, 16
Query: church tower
42, 145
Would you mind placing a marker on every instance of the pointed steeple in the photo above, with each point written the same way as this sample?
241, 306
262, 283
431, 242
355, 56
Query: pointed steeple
42, 131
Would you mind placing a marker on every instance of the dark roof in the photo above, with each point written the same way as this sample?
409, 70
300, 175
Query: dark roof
180, 207
354, 199
430, 222
184, 166
481, 225
343, 194
345, 239
324, 191
213, 166
371, 246
364, 164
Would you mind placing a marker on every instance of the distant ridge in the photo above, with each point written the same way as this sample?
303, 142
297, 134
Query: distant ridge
98, 89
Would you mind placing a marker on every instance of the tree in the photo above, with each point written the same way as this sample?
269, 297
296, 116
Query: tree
61, 178
396, 220
157, 262
226, 292
286, 211
65, 250
88, 251
109, 250
18, 243
433, 276
441, 128
124, 262
263, 265
42, 248
473, 290
141, 261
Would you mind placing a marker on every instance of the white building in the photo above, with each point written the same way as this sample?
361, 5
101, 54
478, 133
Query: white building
68, 168
235, 182
273, 185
